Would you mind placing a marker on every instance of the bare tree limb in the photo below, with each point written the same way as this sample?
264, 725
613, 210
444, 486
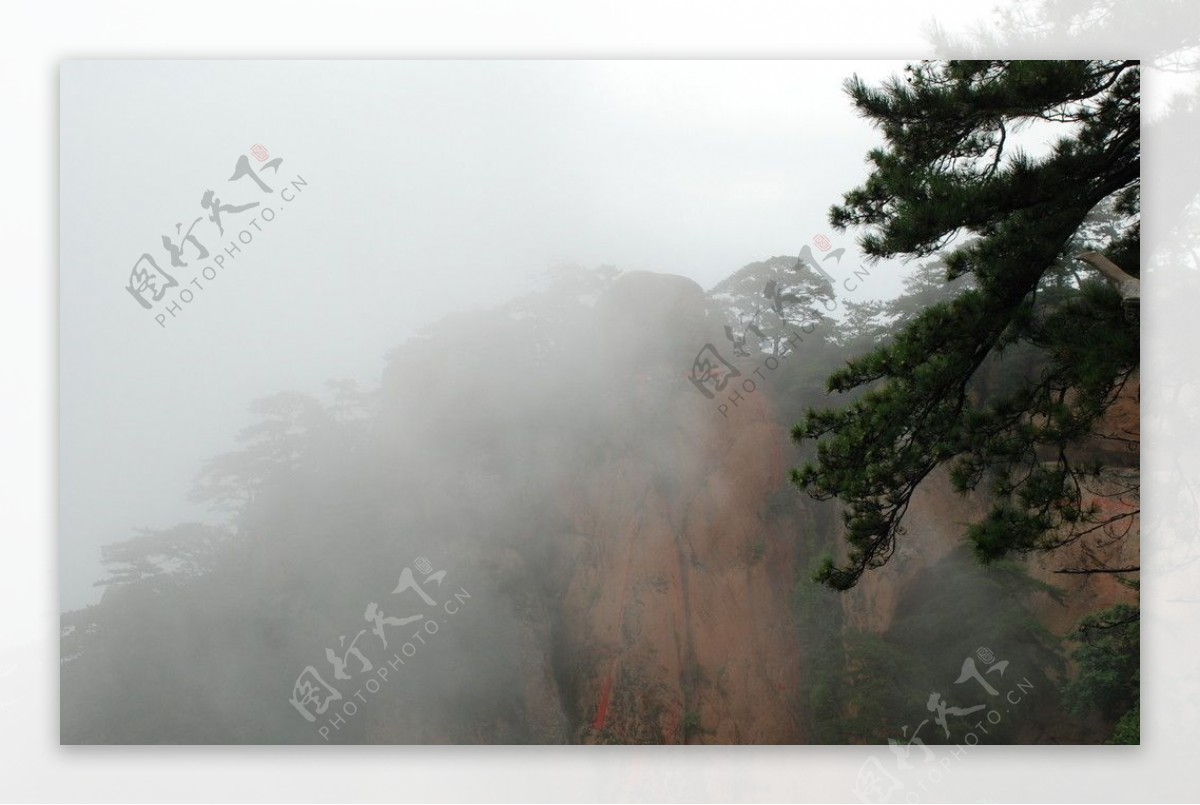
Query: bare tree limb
1128, 286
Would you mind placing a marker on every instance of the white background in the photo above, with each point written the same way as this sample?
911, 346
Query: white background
36, 37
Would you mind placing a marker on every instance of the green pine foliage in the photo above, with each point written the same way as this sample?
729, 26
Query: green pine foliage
1109, 678
948, 173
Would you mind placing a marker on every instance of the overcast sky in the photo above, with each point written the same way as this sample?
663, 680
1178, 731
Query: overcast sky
431, 187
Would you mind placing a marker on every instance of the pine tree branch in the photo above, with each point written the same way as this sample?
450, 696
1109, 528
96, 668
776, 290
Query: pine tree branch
1090, 570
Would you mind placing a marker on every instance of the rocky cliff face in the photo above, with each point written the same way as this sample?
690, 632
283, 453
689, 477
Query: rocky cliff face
675, 624
676, 621
679, 596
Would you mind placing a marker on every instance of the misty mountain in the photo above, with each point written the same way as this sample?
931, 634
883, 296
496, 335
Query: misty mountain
564, 519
